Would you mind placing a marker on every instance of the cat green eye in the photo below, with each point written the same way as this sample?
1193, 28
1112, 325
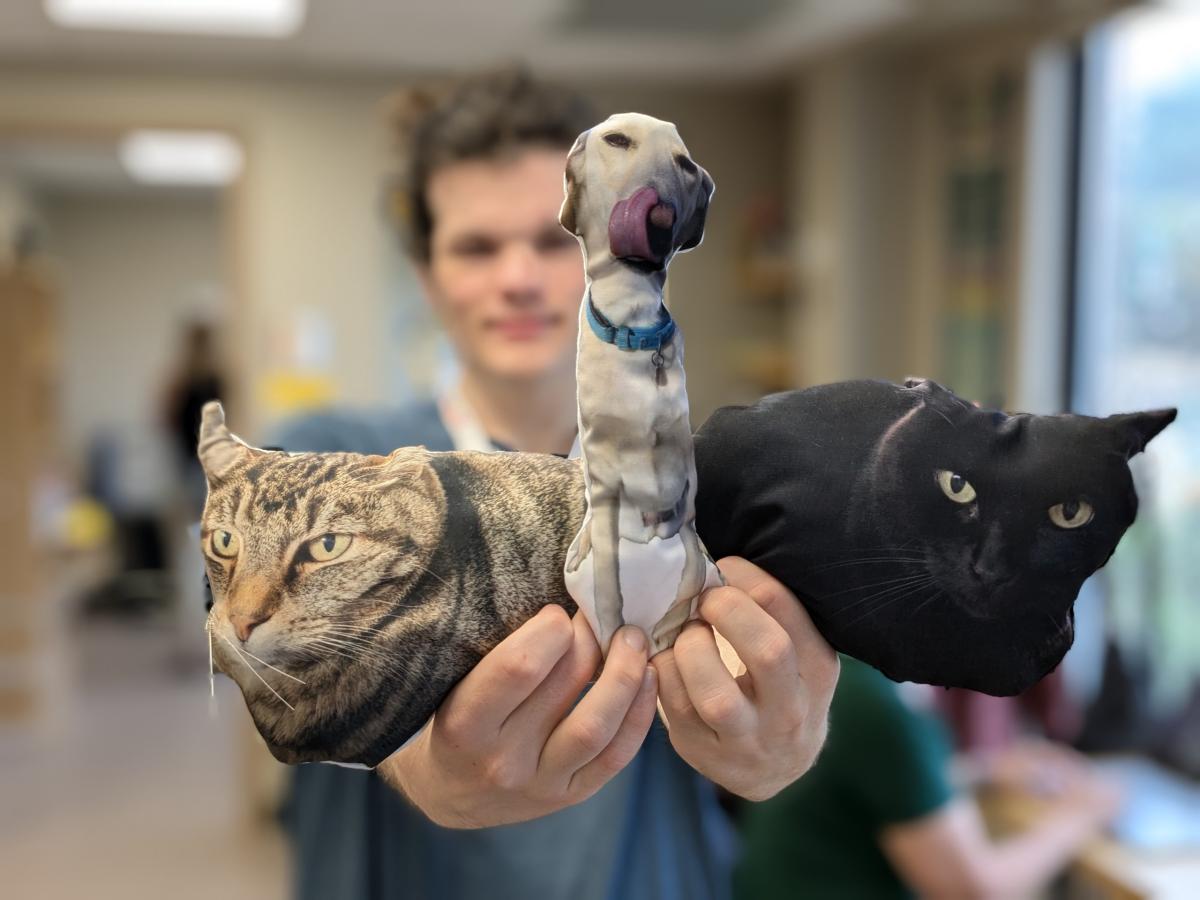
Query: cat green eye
225, 544
1072, 514
329, 546
955, 486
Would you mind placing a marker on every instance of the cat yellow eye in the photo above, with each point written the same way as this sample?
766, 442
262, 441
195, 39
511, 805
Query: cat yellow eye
955, 486
329, 546
1072, 514
225, 544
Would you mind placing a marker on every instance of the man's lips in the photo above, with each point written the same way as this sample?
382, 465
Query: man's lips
523, 327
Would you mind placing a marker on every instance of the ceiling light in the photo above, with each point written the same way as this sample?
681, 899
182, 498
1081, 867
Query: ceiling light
181, 157
250, 18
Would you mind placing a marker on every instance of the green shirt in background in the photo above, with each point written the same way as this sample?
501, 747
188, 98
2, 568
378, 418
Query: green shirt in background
883, 763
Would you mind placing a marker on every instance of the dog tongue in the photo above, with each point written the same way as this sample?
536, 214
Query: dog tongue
627, 225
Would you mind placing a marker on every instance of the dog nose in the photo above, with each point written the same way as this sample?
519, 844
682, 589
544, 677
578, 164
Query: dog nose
662, 215
244, 624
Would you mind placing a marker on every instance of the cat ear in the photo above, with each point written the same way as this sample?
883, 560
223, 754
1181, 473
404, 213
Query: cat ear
410, 466
219, 449
1134, 431
926, 385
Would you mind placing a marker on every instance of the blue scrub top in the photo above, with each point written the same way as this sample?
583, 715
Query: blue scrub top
654, 831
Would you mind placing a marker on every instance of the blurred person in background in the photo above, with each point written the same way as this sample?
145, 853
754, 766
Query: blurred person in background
196, 380
509, 791
878, 816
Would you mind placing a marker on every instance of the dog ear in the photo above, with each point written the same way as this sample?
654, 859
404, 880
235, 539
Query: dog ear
693, 229
572, 183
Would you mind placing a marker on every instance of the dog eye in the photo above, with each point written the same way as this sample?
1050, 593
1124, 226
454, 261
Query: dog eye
686, 164
616, 139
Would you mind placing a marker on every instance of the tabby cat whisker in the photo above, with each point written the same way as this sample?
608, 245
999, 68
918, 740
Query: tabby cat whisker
430, 571
272, 668
212, 678
255, 671
360, 651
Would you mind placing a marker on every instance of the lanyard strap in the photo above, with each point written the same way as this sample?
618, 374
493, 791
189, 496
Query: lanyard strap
461, 422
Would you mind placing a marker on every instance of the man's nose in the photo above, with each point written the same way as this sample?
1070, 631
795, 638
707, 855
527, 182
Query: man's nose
244, 623
520, 270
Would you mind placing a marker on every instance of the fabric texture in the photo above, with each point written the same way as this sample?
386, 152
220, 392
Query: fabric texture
655, 832
883, 764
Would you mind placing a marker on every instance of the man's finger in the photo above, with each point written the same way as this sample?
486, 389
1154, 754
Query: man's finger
505, 677
761, 643
595, 720
817, 661
673, 695
713, 692
537, 716
625, 743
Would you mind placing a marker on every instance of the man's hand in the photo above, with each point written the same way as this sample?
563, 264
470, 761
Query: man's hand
506, 745
756, 733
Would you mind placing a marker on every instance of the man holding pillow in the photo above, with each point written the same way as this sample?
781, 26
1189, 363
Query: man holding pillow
512, 790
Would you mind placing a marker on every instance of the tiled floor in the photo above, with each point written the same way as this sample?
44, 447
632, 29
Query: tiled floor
136, 795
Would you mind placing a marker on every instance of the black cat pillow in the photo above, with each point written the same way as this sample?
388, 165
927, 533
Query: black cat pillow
939, 542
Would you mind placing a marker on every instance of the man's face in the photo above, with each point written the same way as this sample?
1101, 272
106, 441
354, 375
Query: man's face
503, 276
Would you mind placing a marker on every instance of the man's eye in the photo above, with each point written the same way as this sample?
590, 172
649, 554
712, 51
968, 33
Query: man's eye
558, 239
475, 248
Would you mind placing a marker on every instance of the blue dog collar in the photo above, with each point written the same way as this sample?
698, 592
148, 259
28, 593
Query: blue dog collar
624, 338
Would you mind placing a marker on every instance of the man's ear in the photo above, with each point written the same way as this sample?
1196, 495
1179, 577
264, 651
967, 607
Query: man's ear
220, 450
573, 183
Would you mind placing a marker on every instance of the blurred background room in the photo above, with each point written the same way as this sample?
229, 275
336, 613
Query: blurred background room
1003, 195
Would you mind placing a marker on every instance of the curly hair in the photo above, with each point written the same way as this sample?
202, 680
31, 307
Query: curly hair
485, 116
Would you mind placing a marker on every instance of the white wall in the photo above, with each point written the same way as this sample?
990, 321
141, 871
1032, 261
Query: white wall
16, 209
131, 270
307, 213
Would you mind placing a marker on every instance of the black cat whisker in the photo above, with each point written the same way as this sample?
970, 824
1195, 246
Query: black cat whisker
925, 603
867, 587
1060, 625
908, 591
871, 560
915, 583
890, 548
